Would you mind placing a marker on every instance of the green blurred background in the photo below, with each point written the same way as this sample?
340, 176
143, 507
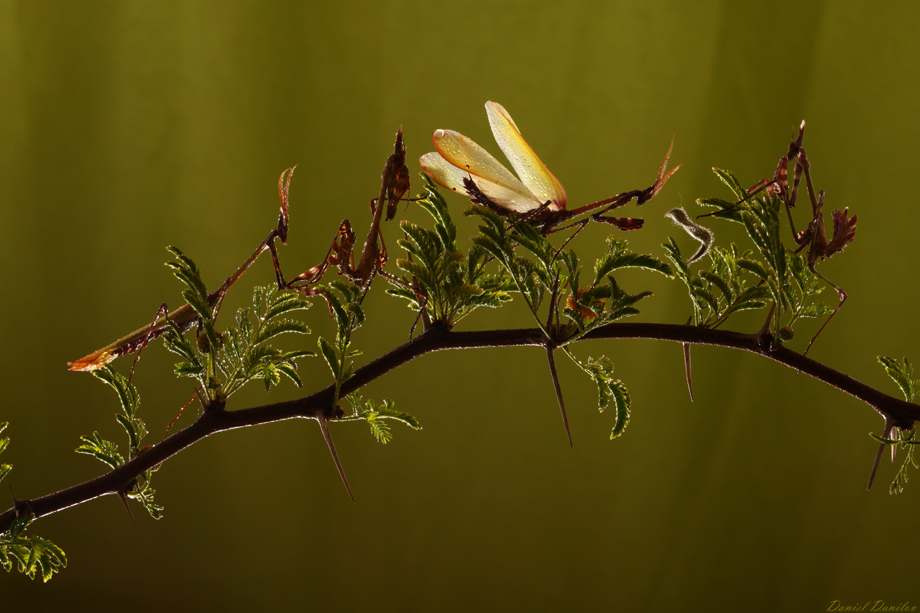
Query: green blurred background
128, 126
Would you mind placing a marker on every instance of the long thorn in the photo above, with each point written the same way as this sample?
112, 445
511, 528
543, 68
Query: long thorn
552, 370
878, 456
688, 373
335, 457
124, 501
26, 509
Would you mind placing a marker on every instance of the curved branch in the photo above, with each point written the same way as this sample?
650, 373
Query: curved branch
900, 413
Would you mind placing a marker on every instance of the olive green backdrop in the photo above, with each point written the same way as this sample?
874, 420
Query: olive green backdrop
128, 126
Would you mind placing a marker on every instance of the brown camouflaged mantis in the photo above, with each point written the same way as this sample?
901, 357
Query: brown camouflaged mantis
394, 185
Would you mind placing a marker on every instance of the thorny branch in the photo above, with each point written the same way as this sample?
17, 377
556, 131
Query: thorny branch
318, 405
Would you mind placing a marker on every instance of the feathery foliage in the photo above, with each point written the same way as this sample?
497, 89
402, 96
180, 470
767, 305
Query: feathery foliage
722, 290
31, 555
344, 300
776, 274
609, 391
222, 363
902, 373
537, 268
542, 269
441, 280
375, 414
443, 283
107, 452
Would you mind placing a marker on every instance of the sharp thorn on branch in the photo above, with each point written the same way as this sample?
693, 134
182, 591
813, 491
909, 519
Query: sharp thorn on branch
124, 501
889, 427
321, 419
555, 376
688, 373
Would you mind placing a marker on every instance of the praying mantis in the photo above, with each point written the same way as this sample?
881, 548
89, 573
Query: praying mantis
535, 194
813, 238
394, 185
461, 165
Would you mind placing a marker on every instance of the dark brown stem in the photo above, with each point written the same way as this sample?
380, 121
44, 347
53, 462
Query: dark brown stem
897, 412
